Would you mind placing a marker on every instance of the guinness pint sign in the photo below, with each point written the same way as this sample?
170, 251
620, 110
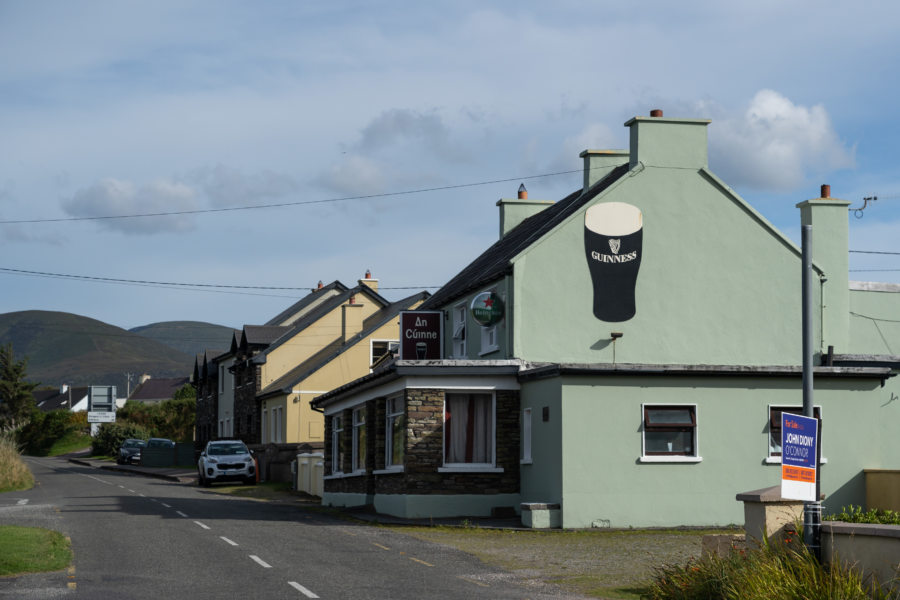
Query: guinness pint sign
487, 309
613, 236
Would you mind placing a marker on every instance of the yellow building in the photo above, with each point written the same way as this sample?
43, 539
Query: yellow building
330, 344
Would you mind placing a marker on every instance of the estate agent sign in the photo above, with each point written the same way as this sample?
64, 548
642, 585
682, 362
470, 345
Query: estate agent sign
421, 335
799, 461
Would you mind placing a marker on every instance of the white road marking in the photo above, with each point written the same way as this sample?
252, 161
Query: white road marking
202, 525
181, 514
260, 562
166, 505
301, 589
122, 486
228, 541
22, 502
132, 491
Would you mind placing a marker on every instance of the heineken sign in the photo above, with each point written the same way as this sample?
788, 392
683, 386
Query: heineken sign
487, 309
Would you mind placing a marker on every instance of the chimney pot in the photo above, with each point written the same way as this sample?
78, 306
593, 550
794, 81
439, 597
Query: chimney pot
523, 193
368, 274
826, 190
656, 112
319, 286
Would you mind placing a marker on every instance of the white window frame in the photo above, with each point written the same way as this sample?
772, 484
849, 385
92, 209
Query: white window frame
359, 424
666, 458
486, 467
489, 340
526, 436
772, 459
265, 421
336, 432
459, 330
221, 428
221, 379
391, 415
372, 357
229, 428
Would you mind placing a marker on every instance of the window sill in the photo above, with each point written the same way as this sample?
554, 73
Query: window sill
344, 475
489, 350
670, 459
526, 462
471, 469
776, 460
388, 471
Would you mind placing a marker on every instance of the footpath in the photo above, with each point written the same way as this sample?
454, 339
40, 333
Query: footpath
176, 474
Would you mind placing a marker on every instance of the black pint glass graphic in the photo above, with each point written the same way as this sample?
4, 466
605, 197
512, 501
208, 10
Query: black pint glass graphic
613, 235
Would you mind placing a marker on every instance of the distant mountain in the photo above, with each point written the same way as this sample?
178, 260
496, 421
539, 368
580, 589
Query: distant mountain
75, 350
189, 337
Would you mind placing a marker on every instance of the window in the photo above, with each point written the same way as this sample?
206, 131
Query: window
469, 429
221, 378
265, 421
459, 331
359, 439
775, 427
395, 432
488, 339
526, 436
279, 424
221, 428
670, 430
380, 348
337, 455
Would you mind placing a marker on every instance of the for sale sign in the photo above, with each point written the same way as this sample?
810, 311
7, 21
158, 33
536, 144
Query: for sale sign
799, 460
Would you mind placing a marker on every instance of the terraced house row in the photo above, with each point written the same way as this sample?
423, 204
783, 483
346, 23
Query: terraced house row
621, 356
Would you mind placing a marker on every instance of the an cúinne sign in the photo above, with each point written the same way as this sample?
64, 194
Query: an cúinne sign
799, 460
421, 335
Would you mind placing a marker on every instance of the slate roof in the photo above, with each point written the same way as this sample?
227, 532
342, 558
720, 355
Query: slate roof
332, 351
48, 400
495, 261
158, 389
305, 301
263, 334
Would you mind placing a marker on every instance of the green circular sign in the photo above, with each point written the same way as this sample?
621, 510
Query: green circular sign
487, 309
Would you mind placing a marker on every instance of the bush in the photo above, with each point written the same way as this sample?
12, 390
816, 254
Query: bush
44, 429
111, 435
173, 419
14, 473
855, 514
776, 571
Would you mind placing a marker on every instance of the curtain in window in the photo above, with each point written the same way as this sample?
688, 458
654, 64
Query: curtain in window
468, 427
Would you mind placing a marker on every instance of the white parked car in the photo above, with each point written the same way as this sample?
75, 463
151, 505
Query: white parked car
226, 460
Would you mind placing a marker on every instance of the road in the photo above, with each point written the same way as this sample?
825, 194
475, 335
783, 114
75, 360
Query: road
135, 537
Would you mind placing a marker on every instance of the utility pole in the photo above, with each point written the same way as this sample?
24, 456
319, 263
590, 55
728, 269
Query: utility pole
812, 511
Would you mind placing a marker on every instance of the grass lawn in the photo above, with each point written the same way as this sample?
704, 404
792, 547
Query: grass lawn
32, 550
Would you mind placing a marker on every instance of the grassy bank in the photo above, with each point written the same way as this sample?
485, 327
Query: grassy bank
14, 474
32, 550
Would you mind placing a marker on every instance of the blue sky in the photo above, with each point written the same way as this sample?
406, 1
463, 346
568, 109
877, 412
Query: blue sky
111, 108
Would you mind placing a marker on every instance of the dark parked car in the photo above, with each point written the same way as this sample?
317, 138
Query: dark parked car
160, 443
130, 451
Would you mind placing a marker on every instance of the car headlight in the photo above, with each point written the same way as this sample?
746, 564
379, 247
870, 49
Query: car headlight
212, 460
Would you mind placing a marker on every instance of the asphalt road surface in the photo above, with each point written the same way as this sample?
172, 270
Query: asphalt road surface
136, 537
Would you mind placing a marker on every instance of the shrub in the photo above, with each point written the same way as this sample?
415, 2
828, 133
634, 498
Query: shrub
111, 435
14, 473
44, 429
855, 514
776, 571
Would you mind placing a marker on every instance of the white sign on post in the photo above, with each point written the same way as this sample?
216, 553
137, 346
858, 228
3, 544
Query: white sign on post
799, 460
101, 416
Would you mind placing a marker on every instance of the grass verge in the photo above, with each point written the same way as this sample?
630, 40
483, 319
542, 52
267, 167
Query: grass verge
32, 550
14, 473
72, 441
616, 564
268, 491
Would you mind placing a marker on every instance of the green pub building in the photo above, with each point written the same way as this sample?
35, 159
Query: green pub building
623, 356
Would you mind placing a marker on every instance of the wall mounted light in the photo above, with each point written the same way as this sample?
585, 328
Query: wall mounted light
616, 335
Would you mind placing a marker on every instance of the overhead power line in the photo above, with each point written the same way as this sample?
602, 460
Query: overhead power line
285, 204
181, 284
872, 252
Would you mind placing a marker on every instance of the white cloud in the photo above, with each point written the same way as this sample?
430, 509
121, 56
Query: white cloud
226, 186
776, 144
110, 197
354, 176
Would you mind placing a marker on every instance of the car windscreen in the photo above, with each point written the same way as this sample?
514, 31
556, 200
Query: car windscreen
227, 449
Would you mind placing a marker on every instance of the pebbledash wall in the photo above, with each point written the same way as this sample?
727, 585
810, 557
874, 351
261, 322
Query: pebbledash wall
708, 325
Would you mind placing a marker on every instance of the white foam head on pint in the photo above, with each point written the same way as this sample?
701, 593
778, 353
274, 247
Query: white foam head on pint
613, 218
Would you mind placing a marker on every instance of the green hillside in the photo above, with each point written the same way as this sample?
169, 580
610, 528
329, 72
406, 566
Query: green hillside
66, 348
189, 337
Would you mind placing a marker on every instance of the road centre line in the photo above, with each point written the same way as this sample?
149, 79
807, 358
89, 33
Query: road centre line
301, 589
22, 502
420, 561
166, 505
380, 546
260, 562
202, 525
178, 512
227, 541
